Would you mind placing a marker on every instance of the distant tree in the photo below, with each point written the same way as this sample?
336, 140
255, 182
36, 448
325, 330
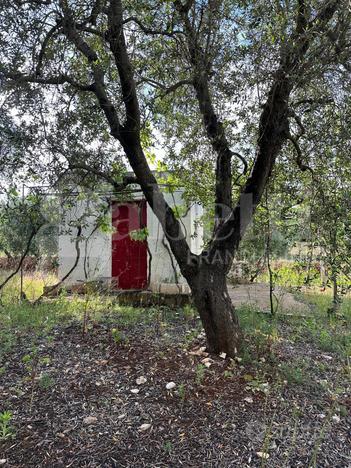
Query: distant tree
194, 71
330, 198
20, 221
12, 142
27, 225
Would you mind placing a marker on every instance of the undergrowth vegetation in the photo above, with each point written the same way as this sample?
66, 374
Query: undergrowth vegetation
285, 357
329, 334
262, 331
297, 275
33, 286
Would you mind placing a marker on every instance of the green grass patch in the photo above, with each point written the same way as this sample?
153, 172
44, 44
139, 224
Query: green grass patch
294, 374
252, 320
261, 333
331, 334
33, 286
292, 274
23, 316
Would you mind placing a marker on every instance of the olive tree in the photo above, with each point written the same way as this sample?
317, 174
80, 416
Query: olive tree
190, 69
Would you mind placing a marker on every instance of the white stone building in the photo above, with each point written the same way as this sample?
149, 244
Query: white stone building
131, 252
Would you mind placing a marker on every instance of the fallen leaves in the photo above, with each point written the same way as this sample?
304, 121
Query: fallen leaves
199, 352
145, 427
170, 385
141, 380
207, 362
89, 420
263, 455
147, 394
248, 377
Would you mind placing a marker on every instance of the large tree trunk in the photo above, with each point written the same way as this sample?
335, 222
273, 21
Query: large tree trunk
218, 316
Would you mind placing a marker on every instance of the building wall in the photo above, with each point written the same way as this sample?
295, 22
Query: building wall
95, 245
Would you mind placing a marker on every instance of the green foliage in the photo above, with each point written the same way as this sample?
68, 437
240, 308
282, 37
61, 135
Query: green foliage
261, 335
191, 335
46, 381
189, 312
139, 234
33, 284
117, 336
246, 355
41, 317
241, 50
6, 430
254, 321
7, 341
104, 223
331, 335
200, 373
293, 374
258, 385
181, 390
20, 218
293, 274
26, 358
168, 447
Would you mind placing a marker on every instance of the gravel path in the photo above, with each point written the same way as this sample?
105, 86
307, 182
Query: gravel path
257, 294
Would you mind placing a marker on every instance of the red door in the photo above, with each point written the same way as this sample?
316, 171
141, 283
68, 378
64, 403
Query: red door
129, 257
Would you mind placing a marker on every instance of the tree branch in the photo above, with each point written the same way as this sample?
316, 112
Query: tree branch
52, 288
311, 101
324, 15
273, 133
245, 169
97, 8
167, 89
88, 29
184, 7
301, 22
118, 187
44, 45
116, 39
49, 80
303, 167
146, 30
98, 86
130, 139
298, 120
213, 127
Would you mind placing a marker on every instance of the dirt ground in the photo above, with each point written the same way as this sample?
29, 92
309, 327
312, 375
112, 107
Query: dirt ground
257, 294
155, 398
